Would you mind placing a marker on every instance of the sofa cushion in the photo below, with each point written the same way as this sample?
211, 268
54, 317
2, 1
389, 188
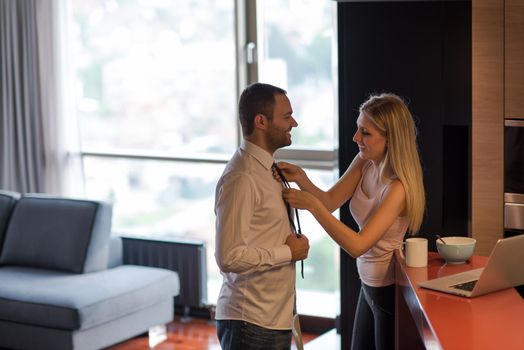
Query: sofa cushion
58, 233
80, 301
7, 202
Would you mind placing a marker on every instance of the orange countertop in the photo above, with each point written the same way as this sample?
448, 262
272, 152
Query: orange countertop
445, 321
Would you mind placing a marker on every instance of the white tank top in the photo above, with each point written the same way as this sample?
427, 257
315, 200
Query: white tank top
375, 267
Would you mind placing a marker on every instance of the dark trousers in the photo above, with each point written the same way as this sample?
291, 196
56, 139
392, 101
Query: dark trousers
374, 326
241, 335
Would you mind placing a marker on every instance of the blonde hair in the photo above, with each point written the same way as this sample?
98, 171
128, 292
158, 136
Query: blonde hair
391, 116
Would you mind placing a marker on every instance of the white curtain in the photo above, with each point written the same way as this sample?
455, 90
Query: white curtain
61, 142
39, 137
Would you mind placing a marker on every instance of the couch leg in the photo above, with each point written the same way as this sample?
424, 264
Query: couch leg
157, 334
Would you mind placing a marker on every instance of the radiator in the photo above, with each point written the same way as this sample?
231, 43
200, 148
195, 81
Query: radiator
187, 258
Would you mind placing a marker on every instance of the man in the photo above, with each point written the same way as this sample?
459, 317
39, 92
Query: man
255, 247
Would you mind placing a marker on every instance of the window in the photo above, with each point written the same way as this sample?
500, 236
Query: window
297, 56
156, 76
157, 98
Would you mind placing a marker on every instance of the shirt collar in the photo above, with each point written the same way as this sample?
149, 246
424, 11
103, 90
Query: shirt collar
258, 153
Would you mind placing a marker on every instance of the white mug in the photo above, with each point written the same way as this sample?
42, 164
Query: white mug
416, 252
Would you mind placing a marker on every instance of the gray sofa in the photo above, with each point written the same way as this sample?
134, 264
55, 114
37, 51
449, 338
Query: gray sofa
62, 282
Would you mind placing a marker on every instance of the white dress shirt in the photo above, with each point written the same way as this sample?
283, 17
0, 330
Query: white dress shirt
251, 229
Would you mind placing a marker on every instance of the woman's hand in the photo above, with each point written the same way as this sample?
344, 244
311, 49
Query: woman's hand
300, 199
292, 172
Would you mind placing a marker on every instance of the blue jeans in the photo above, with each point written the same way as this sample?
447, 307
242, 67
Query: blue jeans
241, 335
374, 326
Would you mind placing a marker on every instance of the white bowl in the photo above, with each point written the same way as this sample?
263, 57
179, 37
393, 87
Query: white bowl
457, 250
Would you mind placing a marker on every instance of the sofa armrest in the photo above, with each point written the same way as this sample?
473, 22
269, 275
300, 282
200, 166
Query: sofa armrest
115, 252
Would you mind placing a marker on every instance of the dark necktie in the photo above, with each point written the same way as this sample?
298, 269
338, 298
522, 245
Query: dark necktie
298, 232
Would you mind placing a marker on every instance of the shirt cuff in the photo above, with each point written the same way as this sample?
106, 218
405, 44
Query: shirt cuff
282, 255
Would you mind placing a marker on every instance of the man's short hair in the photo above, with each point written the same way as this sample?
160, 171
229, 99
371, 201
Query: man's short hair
257, 98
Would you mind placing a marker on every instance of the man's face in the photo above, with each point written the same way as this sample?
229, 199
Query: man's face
279, 127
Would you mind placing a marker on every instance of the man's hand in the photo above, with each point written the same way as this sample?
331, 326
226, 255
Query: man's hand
299, 246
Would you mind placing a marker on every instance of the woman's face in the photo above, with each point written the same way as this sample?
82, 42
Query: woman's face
370, 141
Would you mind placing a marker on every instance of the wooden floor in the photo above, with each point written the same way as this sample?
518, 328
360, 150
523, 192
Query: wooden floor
192, 334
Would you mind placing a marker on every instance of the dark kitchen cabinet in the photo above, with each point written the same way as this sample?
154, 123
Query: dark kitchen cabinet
513, 57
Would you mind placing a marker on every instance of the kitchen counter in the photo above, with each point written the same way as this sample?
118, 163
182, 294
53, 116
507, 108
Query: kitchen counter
427, 319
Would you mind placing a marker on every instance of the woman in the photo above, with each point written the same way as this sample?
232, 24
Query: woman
384, 182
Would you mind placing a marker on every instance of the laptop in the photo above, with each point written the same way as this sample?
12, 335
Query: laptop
504, 269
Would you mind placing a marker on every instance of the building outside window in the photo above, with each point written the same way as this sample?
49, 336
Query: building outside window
157, 84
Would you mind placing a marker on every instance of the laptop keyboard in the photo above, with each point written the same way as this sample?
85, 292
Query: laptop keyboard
466, 286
